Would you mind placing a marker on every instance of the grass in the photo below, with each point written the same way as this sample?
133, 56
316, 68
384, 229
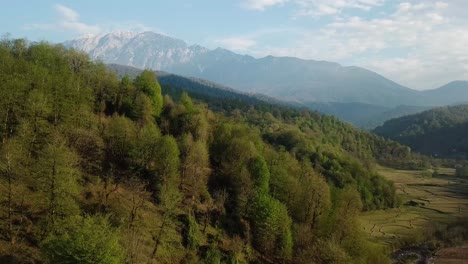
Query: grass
426, 200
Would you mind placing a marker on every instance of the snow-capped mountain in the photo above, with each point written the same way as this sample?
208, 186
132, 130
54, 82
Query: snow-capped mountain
142, 50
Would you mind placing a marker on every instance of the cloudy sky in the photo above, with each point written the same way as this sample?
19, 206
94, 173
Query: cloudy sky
422, 44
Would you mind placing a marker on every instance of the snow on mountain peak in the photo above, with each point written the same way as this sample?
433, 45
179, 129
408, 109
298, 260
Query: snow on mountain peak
139, 49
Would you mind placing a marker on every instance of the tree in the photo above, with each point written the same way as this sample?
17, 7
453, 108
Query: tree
186, 101
86, 240
136, 228
146, 152
346, 230
147, 83
195, 168
124, 100
314, 201
36, 126
144, 109
169, 200
57, 175
13, 94
167, 168
119, 136
346, 213
260, 174
271, 227
12, 178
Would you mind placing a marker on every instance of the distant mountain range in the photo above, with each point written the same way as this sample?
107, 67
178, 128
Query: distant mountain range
441, 132
366, 94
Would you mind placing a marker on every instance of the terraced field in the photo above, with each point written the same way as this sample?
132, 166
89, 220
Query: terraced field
427, 199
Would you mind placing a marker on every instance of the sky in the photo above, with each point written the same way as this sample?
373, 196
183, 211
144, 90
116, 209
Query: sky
422, 44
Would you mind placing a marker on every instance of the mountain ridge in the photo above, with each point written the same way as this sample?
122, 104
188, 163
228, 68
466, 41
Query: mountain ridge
244, 72
303, 82
437, 132
365, 116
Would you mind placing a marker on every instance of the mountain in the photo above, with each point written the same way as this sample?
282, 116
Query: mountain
449, 94
439, 132
354, 94
141, 50
366, 116
288, 78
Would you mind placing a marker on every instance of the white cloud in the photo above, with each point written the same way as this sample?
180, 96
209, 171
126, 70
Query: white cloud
333, 7
420, 44
236, 43
68, 21
261, 4
315, 7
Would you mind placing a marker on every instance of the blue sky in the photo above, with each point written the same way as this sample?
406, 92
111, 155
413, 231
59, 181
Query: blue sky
418, 43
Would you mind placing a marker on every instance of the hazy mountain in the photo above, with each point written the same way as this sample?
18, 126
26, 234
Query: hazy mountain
283, 77
366, 116
440, 131
452, 93
354, 94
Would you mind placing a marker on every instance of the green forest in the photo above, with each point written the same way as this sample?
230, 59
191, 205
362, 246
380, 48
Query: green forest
439, 132
100, 169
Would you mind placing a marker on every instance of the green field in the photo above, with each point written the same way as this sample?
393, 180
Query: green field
426, 200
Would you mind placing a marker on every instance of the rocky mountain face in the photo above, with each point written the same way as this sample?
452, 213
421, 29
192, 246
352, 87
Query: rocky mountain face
141, 50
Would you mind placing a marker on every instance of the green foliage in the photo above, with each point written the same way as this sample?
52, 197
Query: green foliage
271, 226
147, 83
260, 174
145, 154
168, 159
119, 135
57, 177
186, 101
195, 167
89, 240
213, 256
193, 233
438, 132
256, 181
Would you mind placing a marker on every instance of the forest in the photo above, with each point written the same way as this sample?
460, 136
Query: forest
439, 132
100, 169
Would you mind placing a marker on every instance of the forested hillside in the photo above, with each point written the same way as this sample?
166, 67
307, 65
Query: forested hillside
100, 169
440, 132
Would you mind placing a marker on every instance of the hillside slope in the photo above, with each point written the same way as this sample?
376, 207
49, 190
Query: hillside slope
439, 132
100, 169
